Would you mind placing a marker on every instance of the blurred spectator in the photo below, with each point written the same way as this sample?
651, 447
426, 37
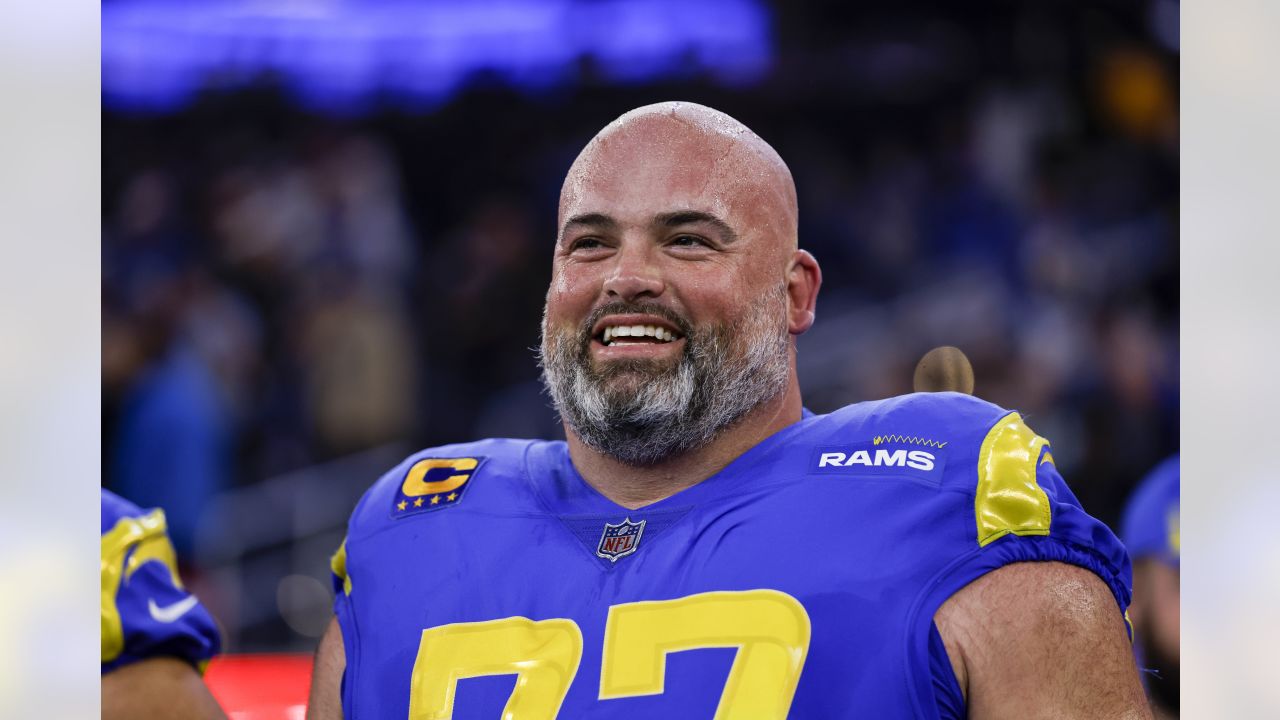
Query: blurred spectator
172, 435
359, 365
487, 281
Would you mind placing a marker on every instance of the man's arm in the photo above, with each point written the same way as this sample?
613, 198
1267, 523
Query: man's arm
325, 702
159, 688
1041, 640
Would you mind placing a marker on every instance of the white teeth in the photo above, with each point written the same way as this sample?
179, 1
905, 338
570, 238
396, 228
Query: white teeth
612, 333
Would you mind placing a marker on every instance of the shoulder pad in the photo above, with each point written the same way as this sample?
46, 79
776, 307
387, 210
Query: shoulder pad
990, 455
949, 421
1009, 496
957, 416
428, 481
993, 457
435, 479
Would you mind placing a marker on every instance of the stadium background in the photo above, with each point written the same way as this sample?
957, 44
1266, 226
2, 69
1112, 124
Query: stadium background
326, 234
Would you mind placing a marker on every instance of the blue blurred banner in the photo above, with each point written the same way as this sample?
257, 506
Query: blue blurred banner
157, 55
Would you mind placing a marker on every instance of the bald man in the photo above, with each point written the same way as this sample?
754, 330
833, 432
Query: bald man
702, 546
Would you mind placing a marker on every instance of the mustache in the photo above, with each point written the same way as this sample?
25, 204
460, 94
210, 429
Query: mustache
622, 307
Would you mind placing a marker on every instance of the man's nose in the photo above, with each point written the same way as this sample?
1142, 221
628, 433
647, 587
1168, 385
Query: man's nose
635, 274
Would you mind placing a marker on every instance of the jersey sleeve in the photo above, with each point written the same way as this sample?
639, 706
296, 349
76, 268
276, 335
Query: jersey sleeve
146, 611
343, 613
1022, 510
369, 516
1005, 502
364, 521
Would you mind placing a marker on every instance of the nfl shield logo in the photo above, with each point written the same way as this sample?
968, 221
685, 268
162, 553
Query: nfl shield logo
619, 540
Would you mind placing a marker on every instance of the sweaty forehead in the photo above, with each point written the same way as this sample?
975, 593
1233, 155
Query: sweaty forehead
679, 156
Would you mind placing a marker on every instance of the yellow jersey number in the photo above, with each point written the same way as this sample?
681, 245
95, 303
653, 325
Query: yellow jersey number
770, 629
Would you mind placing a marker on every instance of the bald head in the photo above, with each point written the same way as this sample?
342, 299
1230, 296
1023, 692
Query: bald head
676, 288
681, 153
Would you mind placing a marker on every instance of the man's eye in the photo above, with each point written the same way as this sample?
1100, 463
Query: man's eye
586, 243
687, 241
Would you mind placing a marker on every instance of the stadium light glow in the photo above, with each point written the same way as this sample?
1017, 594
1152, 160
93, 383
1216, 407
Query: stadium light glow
335, 55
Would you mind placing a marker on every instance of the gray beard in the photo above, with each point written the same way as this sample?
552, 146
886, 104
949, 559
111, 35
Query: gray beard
641, 412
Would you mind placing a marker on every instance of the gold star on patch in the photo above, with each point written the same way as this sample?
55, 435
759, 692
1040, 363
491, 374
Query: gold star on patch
402, 505
452, 497
417, 503
435, 500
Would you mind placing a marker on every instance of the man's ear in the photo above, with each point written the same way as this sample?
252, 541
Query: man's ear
804, 277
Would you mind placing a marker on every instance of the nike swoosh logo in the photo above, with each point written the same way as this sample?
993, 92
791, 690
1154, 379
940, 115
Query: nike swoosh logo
169, 613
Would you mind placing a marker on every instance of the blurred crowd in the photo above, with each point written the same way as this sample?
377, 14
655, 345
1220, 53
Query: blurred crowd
282, 288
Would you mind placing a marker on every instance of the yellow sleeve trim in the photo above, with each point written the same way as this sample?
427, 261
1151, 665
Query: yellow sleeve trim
147, 535
338, 564
1008, 498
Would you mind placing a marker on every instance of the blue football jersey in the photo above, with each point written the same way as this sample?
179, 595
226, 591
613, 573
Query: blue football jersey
1151, 526
800, 581
145, 610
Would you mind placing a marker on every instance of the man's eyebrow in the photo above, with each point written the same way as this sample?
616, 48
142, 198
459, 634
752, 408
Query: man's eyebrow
591, 220
687, 217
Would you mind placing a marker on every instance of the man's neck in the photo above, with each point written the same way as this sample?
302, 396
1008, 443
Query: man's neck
634, 487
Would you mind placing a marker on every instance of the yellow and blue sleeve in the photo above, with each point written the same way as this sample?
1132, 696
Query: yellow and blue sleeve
1024, 510
146, 611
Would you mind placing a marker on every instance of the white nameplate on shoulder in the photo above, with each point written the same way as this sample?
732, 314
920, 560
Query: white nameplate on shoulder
883, 456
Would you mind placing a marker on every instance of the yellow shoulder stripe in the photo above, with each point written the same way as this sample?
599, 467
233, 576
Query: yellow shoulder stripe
338, 564
1008, 499
147, 536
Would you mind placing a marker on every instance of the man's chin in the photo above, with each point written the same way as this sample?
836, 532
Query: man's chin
633, 370
624, 386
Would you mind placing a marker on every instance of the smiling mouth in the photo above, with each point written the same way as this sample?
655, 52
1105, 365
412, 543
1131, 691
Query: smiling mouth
613, 335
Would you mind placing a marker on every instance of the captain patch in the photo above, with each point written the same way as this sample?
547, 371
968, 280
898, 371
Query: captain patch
433, 484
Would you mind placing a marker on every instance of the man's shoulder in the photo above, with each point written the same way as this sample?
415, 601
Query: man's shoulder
954, 414
989, 465
949, 427
441, 477
996, 478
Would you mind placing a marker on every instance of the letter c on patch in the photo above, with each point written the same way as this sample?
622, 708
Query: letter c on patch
414, 485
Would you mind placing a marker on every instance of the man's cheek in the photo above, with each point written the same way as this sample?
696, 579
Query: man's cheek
571, 286
566, 331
